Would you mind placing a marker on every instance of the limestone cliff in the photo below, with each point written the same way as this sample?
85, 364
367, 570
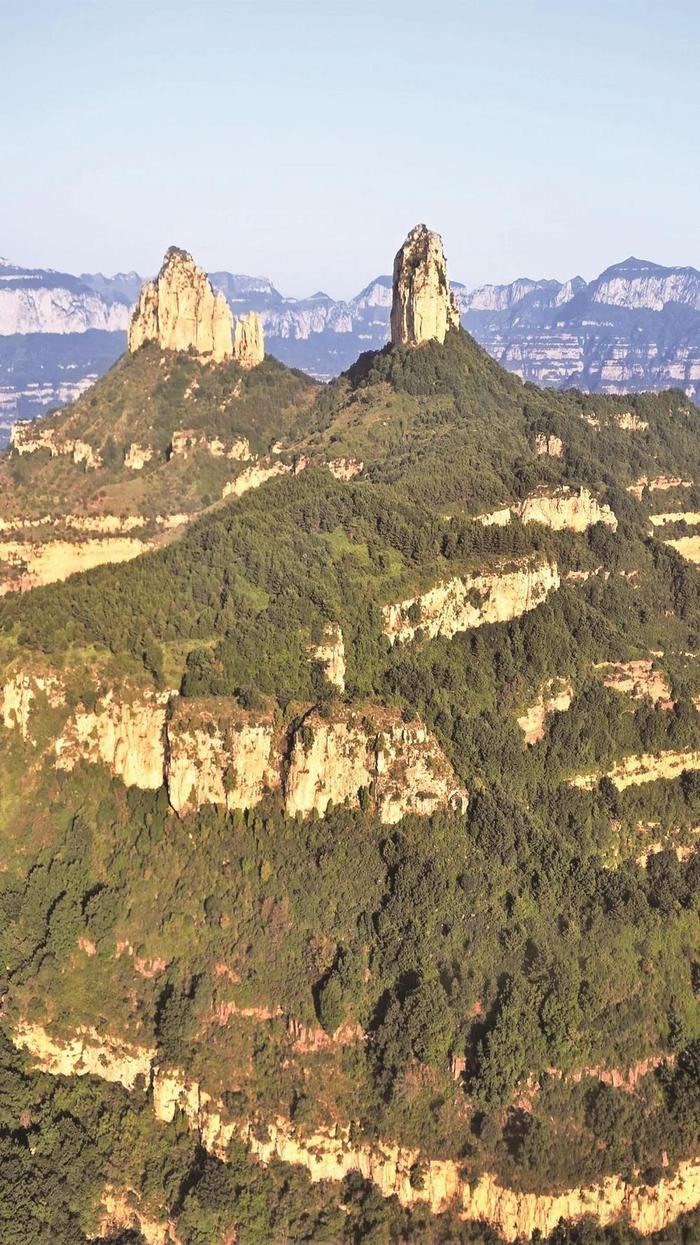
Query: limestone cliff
330, 1154
254, 476
400, 764
121, 1211
126, 735
565, 509
644, 767
31, 565
548, 443
211, 752
423, 306
86, 1053
248, 344
471, 601
216, 755
181, 311
185, 441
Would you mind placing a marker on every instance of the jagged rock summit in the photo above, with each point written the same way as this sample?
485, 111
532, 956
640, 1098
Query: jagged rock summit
180, 310
423, 306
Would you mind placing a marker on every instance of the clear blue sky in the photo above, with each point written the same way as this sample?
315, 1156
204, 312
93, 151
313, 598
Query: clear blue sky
302, 138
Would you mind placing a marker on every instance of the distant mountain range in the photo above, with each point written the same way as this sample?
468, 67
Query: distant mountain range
636, 326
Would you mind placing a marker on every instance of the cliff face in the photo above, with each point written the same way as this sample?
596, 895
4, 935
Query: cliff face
471, 601
330, 653
565, 509
329, 1154
26, 438
423, 306
121, 1210
210, 752
645, 767
30, 565
215, 758
181, 311
125, 735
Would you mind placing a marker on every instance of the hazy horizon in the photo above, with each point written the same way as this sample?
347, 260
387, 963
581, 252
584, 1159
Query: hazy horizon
259, 137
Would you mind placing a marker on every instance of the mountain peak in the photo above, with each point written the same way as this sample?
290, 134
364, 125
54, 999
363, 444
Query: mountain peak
423, 305
182, 311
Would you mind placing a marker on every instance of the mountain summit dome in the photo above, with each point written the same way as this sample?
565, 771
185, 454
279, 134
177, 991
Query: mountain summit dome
423, 306
181, 311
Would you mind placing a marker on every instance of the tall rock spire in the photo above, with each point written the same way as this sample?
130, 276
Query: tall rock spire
423, 306
180, 310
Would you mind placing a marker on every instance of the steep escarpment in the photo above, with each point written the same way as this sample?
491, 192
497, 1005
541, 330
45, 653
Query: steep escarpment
331, 1153
211, 752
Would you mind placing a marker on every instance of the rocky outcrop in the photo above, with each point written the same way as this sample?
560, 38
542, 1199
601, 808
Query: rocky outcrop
566, 509
548, 443
657, 484
495, 518
638, 680
248, 343
330, 1154
471, 601
345, 468
330, 653
19, 695
27, 438
423, 306
121, 1211
126, 735
253, 477
211, 752
644, 767
86, 1053
181, 311
30, 565
554, 697
185, 441
137, 456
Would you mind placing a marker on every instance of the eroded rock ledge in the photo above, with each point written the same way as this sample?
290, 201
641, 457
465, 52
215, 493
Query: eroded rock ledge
329, 1154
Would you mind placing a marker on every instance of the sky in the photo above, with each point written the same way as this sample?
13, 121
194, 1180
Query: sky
302, 139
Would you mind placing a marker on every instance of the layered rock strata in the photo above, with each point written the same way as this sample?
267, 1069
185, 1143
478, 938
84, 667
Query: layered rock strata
423, 306
27, 438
